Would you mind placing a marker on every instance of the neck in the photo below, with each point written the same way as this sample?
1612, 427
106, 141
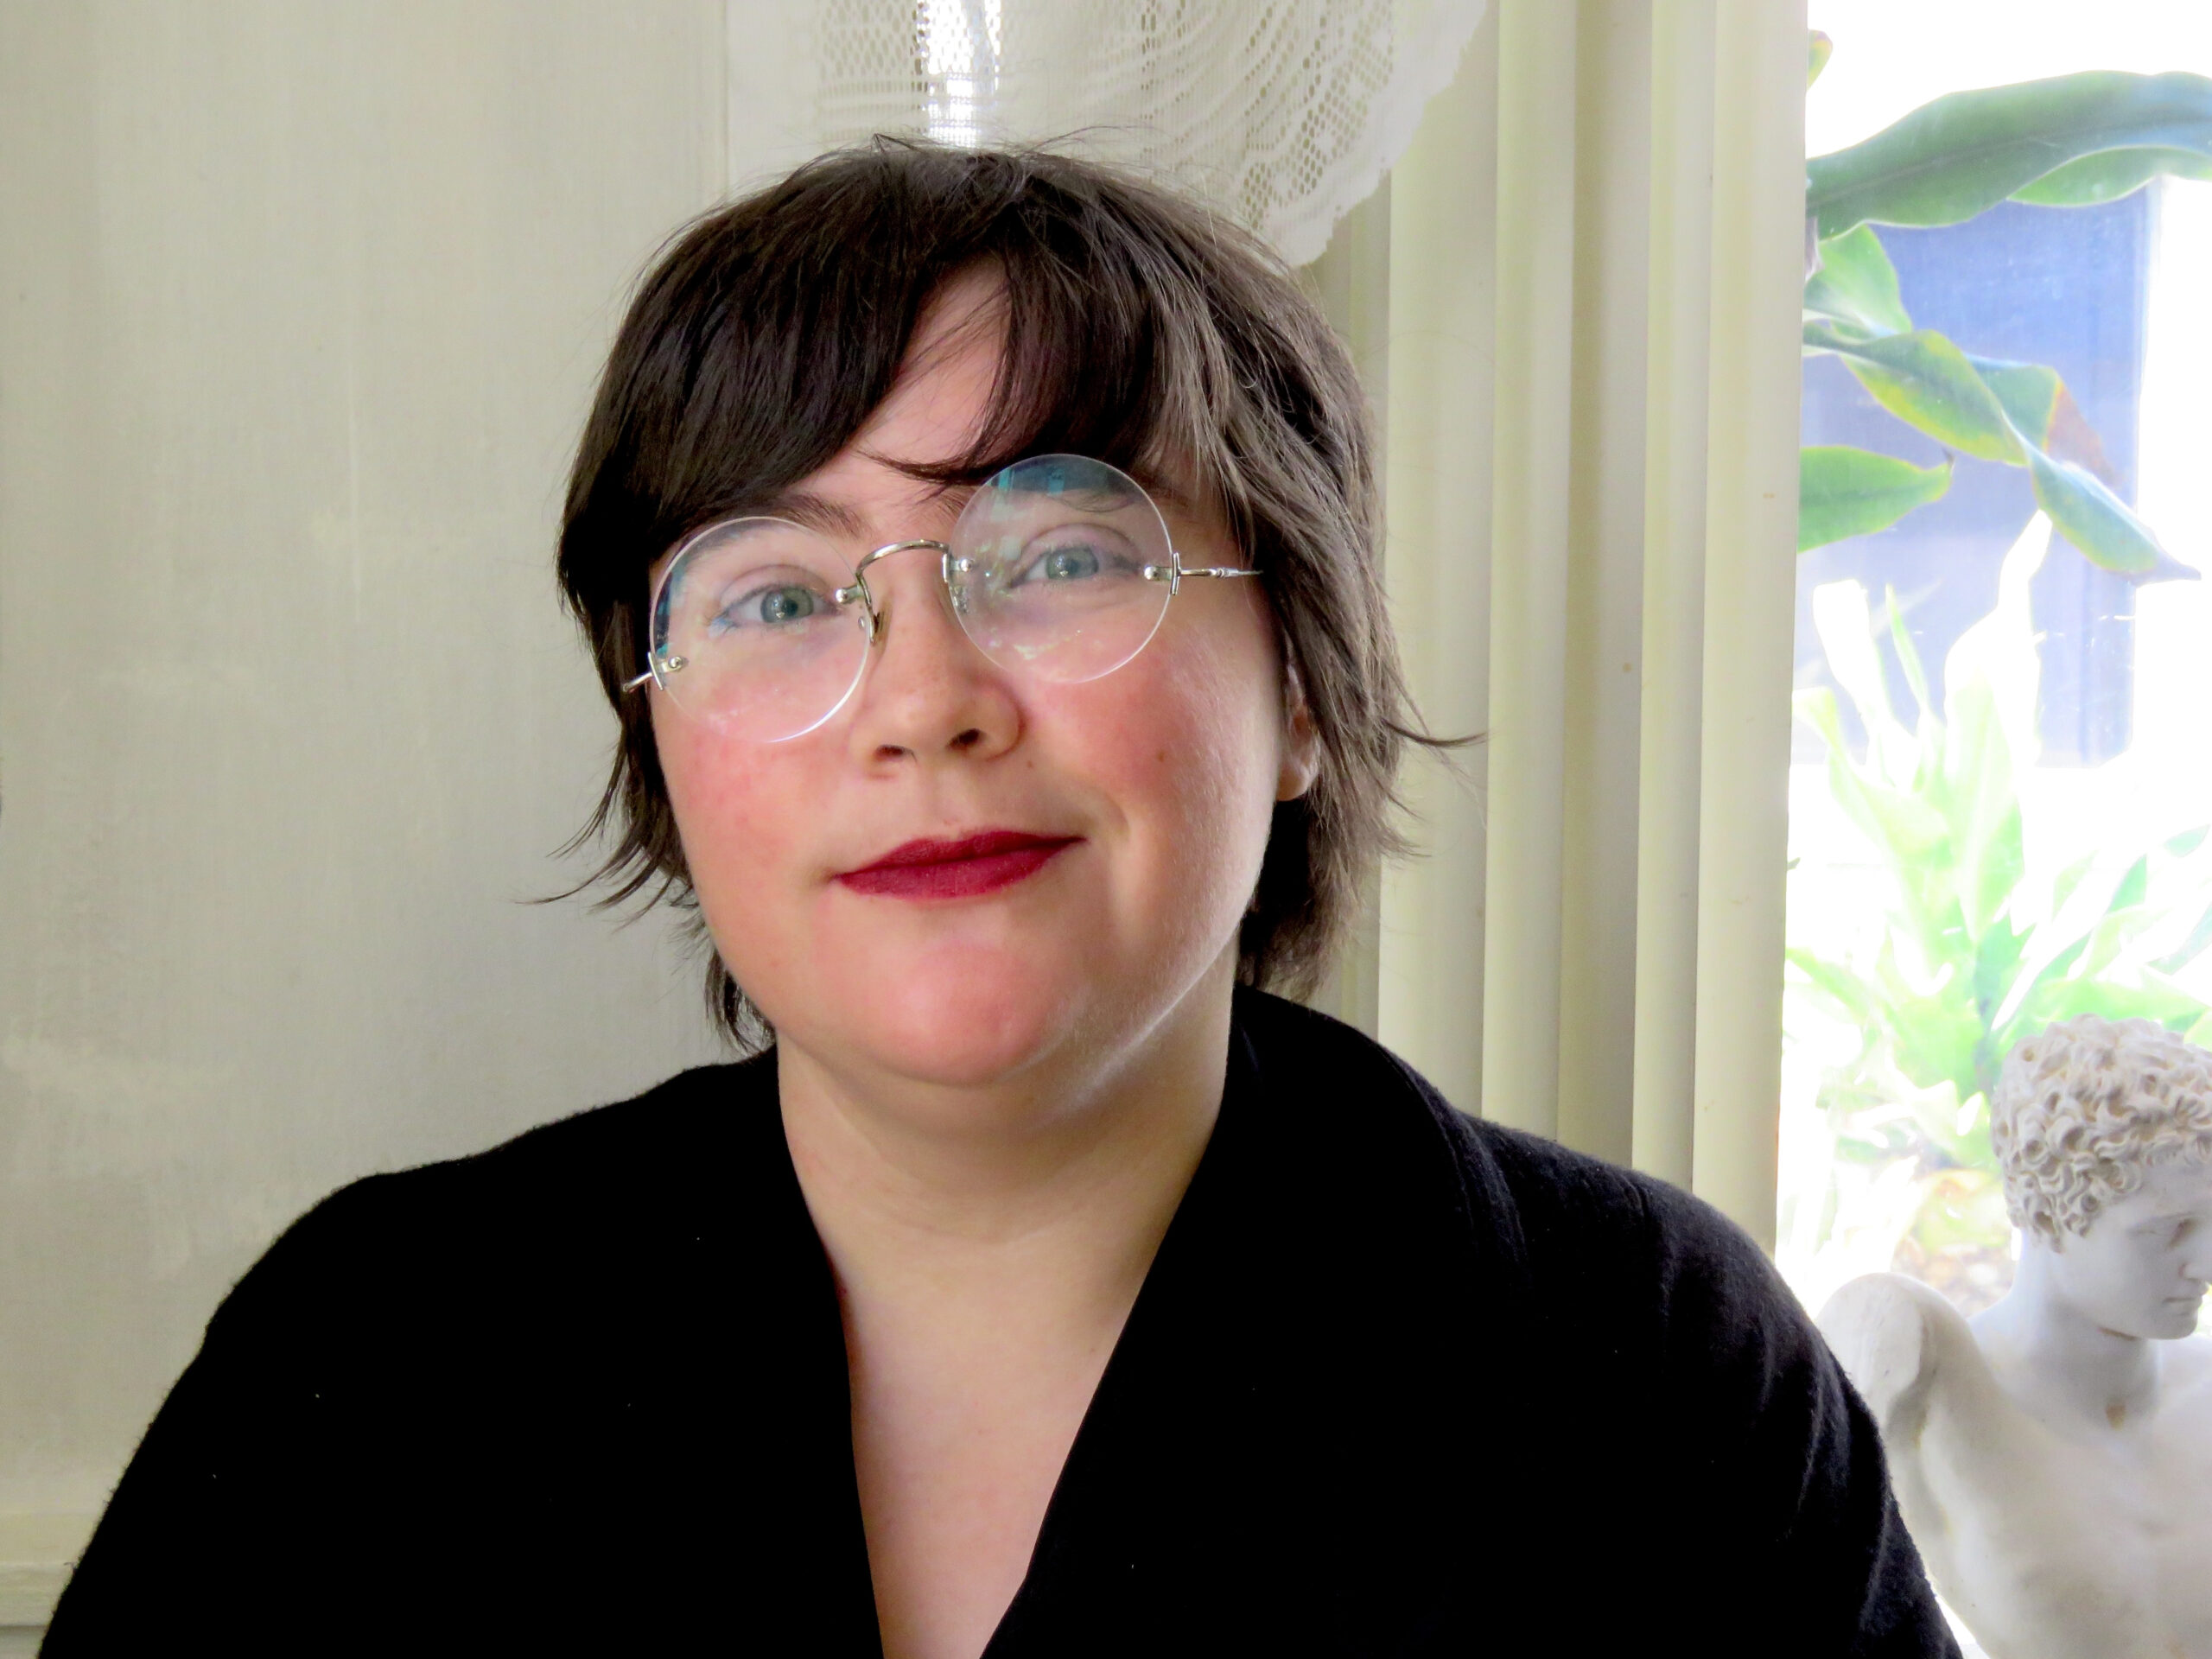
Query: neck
2058, 1354
1041, 1199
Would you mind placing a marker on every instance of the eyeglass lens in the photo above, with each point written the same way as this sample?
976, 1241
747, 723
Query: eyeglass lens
1058, 569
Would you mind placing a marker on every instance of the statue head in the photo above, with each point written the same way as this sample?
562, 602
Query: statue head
2104, 1130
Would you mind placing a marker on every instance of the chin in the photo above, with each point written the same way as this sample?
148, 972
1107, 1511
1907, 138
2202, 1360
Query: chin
2176, 1319
2157, 1322
979, 1018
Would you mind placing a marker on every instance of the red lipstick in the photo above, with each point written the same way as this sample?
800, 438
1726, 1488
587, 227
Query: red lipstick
957, 869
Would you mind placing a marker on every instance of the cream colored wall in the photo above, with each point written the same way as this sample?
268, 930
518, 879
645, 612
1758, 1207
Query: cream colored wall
301, 305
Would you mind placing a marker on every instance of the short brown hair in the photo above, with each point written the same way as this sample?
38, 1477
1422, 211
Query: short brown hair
1142, 328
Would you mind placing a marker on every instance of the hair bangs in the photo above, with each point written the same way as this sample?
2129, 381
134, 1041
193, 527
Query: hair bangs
1084, 342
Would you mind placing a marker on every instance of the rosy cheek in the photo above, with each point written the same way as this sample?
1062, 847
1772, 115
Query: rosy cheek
1189, 749
734, 819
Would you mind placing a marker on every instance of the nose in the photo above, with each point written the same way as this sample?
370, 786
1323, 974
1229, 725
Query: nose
928, 694
2196, 1253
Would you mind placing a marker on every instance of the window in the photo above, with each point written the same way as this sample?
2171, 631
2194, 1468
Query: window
1966, 664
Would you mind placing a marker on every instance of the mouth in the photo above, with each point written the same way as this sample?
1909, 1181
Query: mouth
964, 868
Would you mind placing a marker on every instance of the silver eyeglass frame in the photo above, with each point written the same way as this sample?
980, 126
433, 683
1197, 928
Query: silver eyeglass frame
1173, 572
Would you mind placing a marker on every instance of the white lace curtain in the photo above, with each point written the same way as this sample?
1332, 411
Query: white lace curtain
1286, 113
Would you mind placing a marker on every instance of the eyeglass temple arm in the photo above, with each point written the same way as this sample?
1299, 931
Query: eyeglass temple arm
1174, 570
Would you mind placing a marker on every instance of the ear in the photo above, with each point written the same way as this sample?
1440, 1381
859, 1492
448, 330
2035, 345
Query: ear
1301, 744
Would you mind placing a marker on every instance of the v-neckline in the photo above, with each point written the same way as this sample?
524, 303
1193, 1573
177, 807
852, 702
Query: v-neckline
1173, 1265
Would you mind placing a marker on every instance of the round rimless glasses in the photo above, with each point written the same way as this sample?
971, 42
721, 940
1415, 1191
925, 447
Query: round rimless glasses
1059, 569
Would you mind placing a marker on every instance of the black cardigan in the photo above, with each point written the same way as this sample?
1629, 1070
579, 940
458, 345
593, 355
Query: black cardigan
1398, 1383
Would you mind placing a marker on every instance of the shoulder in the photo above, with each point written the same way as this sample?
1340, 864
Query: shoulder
1617, 1298
624, 1153
1628, 1363
602, 1185
1892, 1335
1639, 1273
1577, 1233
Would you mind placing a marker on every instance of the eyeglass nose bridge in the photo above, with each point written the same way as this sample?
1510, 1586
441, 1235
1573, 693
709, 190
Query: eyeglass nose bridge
948, 568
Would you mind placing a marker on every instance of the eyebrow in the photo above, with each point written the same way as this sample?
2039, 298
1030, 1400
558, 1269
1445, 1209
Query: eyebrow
1167, 492
836, 518
815, 512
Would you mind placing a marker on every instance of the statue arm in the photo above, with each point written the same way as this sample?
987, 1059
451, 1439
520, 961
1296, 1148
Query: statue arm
1895, 1337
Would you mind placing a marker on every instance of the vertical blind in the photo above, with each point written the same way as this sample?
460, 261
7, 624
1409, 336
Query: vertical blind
1577, 304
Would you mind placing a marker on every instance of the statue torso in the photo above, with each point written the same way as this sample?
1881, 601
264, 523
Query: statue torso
2054, 1536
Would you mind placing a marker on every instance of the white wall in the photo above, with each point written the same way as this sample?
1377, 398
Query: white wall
300, 306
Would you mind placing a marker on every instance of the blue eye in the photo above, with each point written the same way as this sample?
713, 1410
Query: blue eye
1068, 563
1070, 556
787, 605
777, 607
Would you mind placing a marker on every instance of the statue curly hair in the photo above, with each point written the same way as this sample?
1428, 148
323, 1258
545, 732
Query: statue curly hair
2084, 1107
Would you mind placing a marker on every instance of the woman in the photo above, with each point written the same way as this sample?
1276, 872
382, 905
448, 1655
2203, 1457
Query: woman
977, 549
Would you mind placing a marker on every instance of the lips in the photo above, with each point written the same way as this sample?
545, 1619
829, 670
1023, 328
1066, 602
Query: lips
957, 869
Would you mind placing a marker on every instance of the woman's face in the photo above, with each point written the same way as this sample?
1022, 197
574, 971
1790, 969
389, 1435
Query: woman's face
1130, 812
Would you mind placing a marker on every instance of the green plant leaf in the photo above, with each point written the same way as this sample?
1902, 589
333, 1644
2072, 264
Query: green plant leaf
1858, 1001
2099, 522
1927, 382
2062, 889
2059, 965
1916, 673
1996, 410
1855, 284
1902, 828
1844, 491
1965, 152
1997, 963
1934, 1038
1827, 336
1816, 707
1818, 50
2126, 913
2038, 404
2168, 1005
1908, 827
2111, 174
1982, 806
2134, 888
2028, 391
2190, 949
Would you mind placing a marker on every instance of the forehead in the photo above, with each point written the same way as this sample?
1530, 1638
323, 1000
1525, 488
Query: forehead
2176, 1189
946, 392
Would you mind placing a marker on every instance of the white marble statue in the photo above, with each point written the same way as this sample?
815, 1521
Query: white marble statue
2054, 1460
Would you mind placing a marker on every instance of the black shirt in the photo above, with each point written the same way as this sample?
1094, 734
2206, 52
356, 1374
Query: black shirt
1398, 1383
